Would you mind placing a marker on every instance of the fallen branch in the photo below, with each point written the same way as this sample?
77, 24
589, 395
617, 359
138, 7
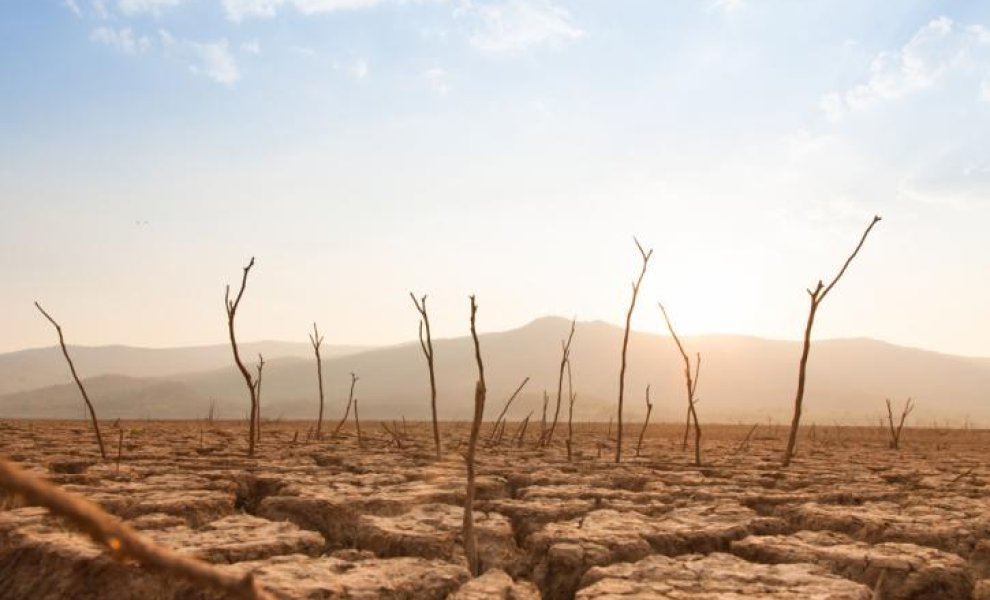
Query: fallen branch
120, 540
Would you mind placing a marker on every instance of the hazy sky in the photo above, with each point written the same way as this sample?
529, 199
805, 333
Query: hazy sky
510, 148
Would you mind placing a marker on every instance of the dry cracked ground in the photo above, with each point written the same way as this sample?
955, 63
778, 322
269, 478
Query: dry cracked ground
849, 519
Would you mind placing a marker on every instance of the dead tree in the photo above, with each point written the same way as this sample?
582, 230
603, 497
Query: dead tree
231, 306
427, 345
745, 443
521, 432
646, 421
470, 541
357, 424
625, 343
543, 419
505, 409
571, 397
692, 387
75, 376
121, 541
895, 433
815, 296
317, 340
257, 403
565, 356
350, 401
120, 446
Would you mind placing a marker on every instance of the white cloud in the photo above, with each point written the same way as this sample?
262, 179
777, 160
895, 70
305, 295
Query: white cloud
252, 47
214, 60
515, 25
985, 90
937, 48
73, 6
237, 10
154, 7
437, 79
122, 40
308, 7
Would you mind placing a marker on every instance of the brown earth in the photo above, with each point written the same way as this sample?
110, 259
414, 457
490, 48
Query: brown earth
850, 518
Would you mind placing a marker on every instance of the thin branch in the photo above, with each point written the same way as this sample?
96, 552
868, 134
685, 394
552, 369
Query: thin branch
842, 271
123, 542
231, 306
75, 376
427, 347
815, 298
505, 408
625, 342
317, 340
564, 361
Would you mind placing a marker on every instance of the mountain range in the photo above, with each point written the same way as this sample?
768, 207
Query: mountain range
743, 379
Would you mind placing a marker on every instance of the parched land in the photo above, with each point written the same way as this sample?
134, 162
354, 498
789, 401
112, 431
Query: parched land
849, 519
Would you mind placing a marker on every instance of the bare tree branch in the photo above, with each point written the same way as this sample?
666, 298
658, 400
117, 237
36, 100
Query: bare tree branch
815, 297
470, 540
625, 343
231, 306
75, 376
427, 346
564, 361
123, 542
317, 340
691, 384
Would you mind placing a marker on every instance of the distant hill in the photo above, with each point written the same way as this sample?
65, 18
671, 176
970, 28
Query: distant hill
742, 379
40, 367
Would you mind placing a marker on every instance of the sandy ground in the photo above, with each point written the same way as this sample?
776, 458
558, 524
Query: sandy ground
850, 518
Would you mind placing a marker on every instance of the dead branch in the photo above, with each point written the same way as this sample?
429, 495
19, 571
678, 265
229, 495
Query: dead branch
691, 383
625, 343
231, 306
745, 443
470, 541
571, 397
646, 421
317, 340
543, 420
120, 446
505, 408
815, 297
123, 542
895, 433
521, 431
357, 424
350, 401
75, 376
565, 357
427, 346
257, 399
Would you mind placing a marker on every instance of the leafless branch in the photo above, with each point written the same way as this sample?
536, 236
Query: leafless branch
625, 343
427, 347
123, 542
79, 384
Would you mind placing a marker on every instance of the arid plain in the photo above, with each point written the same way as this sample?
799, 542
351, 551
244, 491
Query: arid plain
380, 517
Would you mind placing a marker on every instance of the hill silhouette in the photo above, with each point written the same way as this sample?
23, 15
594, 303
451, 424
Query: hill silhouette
743, 378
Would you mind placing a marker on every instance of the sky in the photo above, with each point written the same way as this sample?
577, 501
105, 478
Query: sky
362, 149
